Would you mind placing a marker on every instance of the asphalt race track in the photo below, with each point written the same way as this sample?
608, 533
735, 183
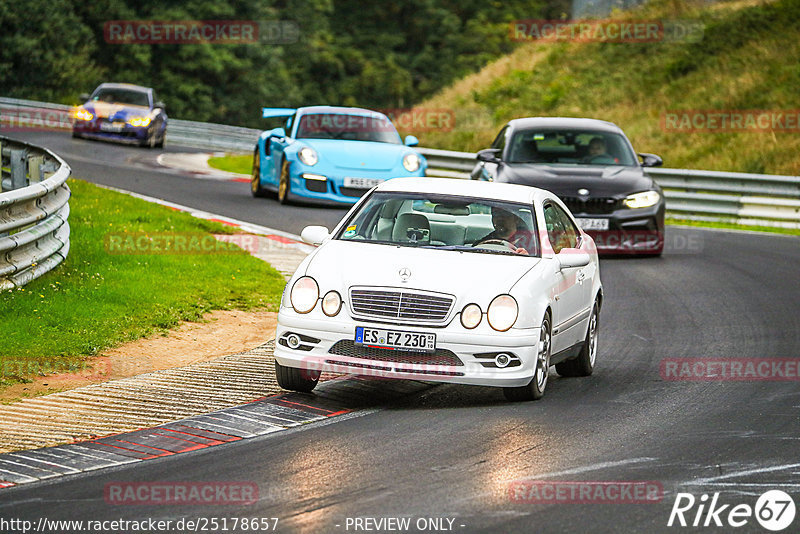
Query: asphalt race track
454, 452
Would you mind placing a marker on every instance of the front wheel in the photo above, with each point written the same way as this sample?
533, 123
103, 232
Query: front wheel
535, 390
583, 365
255, 178
294, 379
283, 184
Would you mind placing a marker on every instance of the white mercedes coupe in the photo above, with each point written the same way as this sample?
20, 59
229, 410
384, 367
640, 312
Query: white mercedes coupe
444, 280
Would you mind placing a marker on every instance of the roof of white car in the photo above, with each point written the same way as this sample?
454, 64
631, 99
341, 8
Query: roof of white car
469, 188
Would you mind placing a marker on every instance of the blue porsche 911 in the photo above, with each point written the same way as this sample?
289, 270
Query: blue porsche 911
330, 154
121, 112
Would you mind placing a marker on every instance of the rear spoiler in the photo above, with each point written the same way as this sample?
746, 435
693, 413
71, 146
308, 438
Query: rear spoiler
277, 112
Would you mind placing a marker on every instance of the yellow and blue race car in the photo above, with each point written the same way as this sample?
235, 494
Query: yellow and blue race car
330, 154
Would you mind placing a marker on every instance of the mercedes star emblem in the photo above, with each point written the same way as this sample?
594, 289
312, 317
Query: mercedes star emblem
405, 274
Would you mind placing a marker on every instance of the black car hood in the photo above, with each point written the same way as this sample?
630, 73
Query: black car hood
564, 181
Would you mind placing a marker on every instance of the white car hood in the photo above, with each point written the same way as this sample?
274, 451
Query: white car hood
470, 276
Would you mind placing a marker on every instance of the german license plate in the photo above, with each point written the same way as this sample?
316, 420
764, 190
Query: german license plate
395, 339
593, 224
110, 127
361, 183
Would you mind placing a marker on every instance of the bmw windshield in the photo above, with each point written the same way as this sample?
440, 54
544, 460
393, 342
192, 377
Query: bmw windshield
576, 147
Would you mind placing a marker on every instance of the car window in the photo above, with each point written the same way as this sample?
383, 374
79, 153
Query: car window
121, 96
561, 232
576, 147
349, 127
444, 221
500, 140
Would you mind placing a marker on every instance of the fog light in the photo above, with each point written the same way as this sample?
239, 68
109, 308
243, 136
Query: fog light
293, 340
502, 360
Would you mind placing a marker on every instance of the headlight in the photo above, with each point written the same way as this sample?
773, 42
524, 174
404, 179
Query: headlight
83, 114
645, 199
411, 162
331, 303
471, 316
304, 295
139, 121
502, 313
308, 156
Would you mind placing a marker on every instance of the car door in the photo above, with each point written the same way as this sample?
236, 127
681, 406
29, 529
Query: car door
274, 145
568, 297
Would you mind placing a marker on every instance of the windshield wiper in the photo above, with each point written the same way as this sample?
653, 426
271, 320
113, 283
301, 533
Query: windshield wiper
467, 248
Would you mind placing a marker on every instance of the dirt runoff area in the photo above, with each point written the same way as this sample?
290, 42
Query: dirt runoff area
222, 332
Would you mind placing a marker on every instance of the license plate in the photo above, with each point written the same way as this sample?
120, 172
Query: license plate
394, 339
361, 183
110, 127
593, 224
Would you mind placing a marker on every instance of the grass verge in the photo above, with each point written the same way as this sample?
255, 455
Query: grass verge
99, 298
239, 163
733, 226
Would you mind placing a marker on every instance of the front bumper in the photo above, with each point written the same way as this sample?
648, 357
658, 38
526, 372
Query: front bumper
630, 231
126, 134
332, 188
462, 356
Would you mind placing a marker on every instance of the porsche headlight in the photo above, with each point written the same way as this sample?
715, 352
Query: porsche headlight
331, 303
411, 162
308, 156
304, 295
645, 199
139, 121
83, 114
471, 316
502, 313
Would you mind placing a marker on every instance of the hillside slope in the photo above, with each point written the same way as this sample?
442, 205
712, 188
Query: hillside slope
747, 59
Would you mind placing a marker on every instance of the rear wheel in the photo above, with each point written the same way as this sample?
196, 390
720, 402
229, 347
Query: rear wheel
283, 184
255, 179
294, 379
535, 390
583, 365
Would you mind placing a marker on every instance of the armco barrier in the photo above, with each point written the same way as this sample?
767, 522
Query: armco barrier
691, 194
34, 232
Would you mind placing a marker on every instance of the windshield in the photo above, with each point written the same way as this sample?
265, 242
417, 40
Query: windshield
444, 222
576, 147
121, 96
376, 128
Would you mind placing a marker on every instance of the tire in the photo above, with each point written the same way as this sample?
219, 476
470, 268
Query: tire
535, 390
583, 365
255, 179
284, 184
160, 143
293, 379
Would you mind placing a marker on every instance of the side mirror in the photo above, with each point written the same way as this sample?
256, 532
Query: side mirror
314, 235
651, 160
161, 105
489, 155
411, 140
277, 132
572, 257
84, 97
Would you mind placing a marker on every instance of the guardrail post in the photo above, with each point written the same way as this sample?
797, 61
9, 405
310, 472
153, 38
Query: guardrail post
18, 161
35, 169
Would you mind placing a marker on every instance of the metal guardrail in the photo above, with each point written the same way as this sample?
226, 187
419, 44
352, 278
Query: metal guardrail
747, 199
691, 194
34, 232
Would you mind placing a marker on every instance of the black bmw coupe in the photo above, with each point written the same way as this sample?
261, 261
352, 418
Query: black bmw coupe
592, 167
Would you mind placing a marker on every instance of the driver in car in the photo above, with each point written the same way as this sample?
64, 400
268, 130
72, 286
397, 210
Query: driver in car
597, 151
508, 229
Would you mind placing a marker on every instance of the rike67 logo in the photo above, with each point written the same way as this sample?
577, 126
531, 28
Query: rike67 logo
774, 510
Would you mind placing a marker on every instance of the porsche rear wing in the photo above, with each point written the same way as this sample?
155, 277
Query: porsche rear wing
277, 112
